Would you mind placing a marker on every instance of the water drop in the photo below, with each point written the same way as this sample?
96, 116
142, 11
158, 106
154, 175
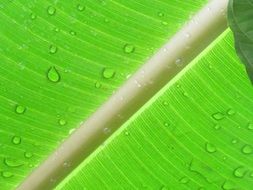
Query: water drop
184, 180
231, 112
234, 141
6, 174
62, 122
164, 23
240, 172
73, 33
16, 140
210, 148
107, 130
20, 109
108, 73
28, 154
98, 85
51, 10
218, 116
53, 75
33, 16
71, 131
165, 103
160, 14
80, 7
247, 149
228, 185
52, 49
129, 48
250, 126
217, 127
166, 124
127, 133
11, 162
179, 62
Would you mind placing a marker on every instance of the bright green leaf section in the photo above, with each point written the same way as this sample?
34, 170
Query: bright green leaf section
196, 134
241, 22
61, 59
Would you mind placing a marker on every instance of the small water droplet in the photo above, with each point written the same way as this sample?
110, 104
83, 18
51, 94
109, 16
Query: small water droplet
127, 133
28, 154
107, 130
71, 131
98, 84
210, 148
234, 141
228, 185
52, 49
231, 112
160, 14
250, 126
165, 103
20, 109
247, 149
53, 75
33, 16
179, 62
62, 122
164, 23
108, 73
166, 124
7, 174
240, 172
73, 33
218, 116
129, 48
217, 127
184, 180
66, 164
80, 7
16, 140
51, 10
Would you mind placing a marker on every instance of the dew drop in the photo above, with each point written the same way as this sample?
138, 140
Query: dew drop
129, 48
53, 75
250, 126
234, 141
20, 109
217, 127
166, 124
165, 103
52, 49
240, 172
164, 23
28, 155
80, 7
62, 122
33, 16
179, 62
210, 148
6, 174
98, 84
231, 112
247, 149
218, 116
16, 140
51, 10
71, 131
184, 180
160, 14
108, 73
228, 185
11, 162
73, 33
107, 130
127, 133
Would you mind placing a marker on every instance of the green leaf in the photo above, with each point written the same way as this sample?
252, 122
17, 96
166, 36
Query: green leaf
240, 16
60, 60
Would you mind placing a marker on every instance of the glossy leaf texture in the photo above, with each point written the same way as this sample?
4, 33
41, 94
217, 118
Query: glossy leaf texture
240, 17
60, 60
196, 134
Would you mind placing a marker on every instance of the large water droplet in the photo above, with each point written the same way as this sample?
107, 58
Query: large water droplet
16, 140
129, 48
6, 174
240, 172
210, 148
51, 10
247, 149
11, 162
20, 109
218, 116
108, 73
53, 75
